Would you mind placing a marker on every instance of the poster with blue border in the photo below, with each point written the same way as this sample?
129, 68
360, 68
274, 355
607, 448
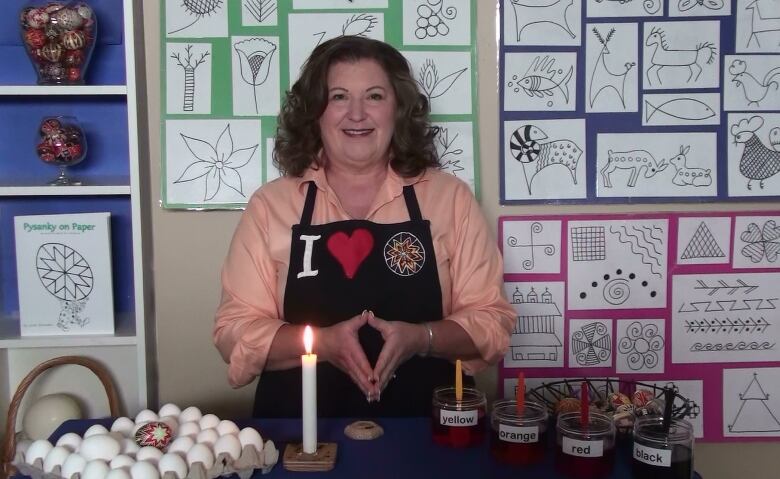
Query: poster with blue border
610, 101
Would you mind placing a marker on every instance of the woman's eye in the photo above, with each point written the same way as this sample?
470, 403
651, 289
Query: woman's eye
338, 96
376, 96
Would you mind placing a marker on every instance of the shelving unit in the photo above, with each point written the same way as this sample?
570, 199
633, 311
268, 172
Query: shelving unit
114, 179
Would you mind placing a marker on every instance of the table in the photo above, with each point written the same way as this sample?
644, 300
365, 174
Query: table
405, 451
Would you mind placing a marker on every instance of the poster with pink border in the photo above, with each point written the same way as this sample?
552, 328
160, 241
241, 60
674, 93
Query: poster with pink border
689, 298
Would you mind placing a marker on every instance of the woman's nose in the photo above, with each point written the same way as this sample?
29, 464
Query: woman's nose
356, 111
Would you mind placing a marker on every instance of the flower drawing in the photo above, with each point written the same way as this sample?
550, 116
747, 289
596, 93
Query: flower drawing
219, 163
254, 57
431, 84
642, 345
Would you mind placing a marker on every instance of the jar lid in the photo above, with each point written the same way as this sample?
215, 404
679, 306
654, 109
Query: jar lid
506, 410
650, 428
598, 424
444, 397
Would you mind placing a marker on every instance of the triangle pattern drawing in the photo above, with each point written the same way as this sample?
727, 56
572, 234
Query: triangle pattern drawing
702, 245
754, 414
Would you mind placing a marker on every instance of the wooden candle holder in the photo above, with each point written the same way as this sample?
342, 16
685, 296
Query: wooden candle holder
324, 459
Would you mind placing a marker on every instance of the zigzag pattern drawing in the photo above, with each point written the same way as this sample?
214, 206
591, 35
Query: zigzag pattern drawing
728, 305
722, 286
727, 326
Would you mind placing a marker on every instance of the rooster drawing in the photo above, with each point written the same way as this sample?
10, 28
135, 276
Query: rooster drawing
758, 162
754, 90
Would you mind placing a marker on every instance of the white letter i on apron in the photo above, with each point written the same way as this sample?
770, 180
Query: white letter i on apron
307, 271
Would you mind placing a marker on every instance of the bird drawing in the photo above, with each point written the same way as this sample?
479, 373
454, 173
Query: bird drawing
754, 90
758, 162
530, 145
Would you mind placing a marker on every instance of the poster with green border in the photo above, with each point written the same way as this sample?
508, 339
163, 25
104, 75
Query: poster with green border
226, 65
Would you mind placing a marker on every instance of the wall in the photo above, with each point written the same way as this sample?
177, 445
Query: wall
189, 248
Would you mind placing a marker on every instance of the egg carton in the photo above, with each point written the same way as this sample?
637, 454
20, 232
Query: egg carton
224, 465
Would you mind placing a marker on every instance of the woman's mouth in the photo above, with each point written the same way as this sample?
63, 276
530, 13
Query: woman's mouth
357, 132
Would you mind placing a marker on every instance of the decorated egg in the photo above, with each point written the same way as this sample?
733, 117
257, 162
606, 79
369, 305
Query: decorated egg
73, 58
156, 434
641, 397
37, 18
172, 423
35, 38
67, 19
73, 39
84, 10
618, 399
50, 126
567, 405
144, 470
73, 74
51, 51
53, 7
173, 463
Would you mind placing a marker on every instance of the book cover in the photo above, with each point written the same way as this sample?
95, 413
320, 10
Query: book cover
63, 265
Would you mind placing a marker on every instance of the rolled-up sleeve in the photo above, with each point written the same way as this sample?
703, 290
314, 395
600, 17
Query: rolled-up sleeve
479, 305
248, 318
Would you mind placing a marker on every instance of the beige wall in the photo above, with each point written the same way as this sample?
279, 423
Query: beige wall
189, 248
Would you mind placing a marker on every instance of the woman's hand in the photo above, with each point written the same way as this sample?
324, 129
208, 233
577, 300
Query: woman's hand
340, 346
402, 341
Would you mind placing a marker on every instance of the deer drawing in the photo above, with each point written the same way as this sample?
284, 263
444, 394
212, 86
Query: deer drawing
664, 57
686, 175
759, 23
758, 162
531, 12
604, 78
637, 161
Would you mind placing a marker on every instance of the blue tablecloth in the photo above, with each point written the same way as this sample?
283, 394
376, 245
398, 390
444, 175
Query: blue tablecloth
404, 451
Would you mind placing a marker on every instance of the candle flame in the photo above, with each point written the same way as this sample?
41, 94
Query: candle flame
308, 339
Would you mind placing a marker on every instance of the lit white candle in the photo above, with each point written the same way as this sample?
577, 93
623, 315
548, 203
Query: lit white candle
309, 367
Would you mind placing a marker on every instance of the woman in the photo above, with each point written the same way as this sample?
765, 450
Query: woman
365, 239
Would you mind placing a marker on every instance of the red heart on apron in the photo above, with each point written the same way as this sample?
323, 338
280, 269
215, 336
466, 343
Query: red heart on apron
350, 251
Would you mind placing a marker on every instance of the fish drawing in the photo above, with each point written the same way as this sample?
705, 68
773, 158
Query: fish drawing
689, 109
539, 80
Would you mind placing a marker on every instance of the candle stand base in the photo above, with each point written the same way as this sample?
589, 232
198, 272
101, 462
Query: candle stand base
322, 460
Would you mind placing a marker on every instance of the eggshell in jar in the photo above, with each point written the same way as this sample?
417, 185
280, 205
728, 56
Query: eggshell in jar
200, 453
39, 449
96, 469
122, 461
169, 409
191, 428
227, 426
208, 421
71, 440
94, 430
124, 425
207, 436
181, 445
100, 446
55, 457
144, 470
174, 463
118, 474
73, 464
191, 413
250, 437
149, 453
228, 444
146, 415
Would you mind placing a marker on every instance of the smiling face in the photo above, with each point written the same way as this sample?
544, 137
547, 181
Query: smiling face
358, 122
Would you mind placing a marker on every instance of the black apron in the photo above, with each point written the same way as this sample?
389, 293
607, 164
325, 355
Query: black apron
338, 270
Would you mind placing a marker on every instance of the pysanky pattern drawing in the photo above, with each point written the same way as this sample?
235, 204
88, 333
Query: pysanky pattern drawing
404, 254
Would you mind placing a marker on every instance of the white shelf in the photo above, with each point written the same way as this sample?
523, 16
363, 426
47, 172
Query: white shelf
109, 188
63, 90
10, 339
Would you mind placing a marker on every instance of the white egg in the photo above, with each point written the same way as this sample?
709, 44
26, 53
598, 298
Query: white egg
125, 425
190, 414
55, 457
122, 461
96, 469
191, 428
144, 470
207, 436
228, 444
128, 446
200, 453
101, 446
181, 445
250, 437
118, 474
146, 416
71, 440
39, 449
169, 409
173, 463
73, 464
172, 423
95, 429
209, 421
148, 453
227, 426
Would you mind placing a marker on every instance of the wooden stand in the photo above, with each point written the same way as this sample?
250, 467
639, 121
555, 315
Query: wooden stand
322, 460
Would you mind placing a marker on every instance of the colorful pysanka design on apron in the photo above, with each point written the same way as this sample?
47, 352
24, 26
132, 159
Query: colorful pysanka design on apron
337, 270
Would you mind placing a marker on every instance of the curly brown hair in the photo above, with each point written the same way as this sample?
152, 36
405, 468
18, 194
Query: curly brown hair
298, 139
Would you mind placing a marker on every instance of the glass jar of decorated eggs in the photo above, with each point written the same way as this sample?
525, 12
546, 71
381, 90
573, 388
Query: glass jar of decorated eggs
62, 143
59, 38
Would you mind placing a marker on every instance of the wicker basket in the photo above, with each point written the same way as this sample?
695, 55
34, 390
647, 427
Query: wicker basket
9, 441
